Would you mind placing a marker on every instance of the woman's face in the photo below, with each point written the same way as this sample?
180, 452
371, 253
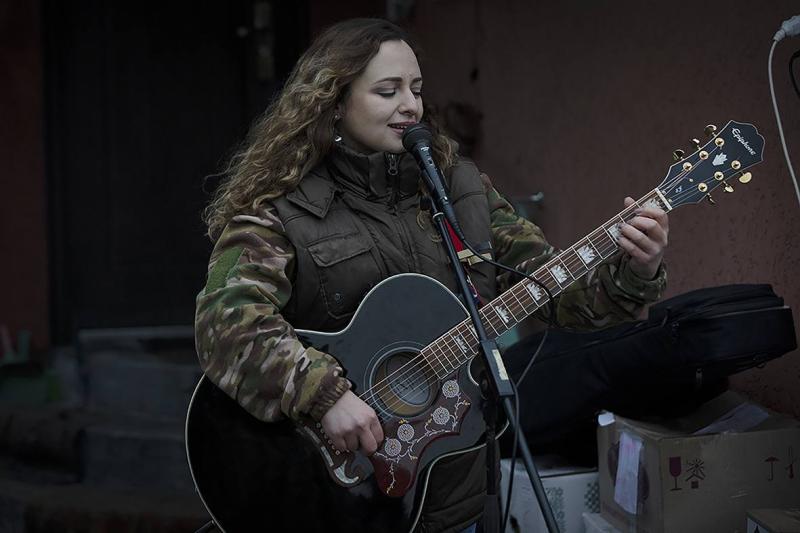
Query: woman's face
383, 100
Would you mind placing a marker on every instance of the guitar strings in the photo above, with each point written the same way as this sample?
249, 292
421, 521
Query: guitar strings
421, 370
573, 264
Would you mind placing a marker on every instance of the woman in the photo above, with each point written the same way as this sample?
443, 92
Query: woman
322, 203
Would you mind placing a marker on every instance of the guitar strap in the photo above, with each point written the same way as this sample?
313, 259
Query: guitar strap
468, 258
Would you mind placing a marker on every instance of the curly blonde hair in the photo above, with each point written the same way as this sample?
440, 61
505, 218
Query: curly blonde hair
296, 131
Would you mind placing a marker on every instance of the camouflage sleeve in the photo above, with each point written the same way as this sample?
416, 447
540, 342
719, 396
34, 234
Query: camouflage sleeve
244, 344
608, 294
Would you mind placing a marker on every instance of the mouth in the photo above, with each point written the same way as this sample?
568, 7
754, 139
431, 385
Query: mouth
401, 126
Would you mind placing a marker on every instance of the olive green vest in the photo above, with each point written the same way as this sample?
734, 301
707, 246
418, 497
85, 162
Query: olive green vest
353, 225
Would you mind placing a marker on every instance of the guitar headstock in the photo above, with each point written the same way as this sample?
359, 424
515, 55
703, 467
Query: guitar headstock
720, 162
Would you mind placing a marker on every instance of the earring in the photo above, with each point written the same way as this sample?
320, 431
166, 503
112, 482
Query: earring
336, 137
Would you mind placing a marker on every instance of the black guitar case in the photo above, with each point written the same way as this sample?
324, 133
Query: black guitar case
677, 358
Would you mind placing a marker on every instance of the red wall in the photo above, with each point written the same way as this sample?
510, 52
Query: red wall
23, 250
586, 101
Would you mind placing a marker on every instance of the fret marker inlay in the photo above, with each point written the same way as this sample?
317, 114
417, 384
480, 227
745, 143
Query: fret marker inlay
614, 232
535, 291
559, 273
502, 313
653, 202
460, 342
587, 253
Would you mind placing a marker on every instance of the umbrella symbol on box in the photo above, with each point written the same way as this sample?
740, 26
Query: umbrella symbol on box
771, 461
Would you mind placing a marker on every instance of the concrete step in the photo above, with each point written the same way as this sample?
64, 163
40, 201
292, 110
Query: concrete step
135, 453
141, 384
78, 508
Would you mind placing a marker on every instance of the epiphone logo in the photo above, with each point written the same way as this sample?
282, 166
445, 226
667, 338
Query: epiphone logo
738, 136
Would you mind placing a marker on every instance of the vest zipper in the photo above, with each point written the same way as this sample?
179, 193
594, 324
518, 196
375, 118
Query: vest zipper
392, 160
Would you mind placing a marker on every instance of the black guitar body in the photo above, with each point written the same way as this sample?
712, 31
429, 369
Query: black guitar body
256, 476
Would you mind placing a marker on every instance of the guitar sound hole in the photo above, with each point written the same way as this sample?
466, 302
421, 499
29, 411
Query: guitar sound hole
409, 385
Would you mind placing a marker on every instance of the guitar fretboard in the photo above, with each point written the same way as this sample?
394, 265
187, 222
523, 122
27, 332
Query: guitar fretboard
460, 344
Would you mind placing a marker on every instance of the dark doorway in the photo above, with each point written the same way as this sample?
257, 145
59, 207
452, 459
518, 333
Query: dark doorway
144, 101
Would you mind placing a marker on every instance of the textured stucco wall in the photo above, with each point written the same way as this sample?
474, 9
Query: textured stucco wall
585, 101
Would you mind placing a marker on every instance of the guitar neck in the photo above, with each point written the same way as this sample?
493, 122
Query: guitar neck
457, 346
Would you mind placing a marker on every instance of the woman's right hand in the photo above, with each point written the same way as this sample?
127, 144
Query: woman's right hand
353, 425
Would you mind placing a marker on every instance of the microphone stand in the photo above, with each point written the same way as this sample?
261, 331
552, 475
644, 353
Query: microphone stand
495, 386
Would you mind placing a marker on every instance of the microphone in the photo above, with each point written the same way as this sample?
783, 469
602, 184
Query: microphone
789, 28
417, 140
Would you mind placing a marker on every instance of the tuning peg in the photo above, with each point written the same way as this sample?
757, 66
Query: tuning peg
710, 200
710, 130
696, 143
728, 188
745, 178
677, 155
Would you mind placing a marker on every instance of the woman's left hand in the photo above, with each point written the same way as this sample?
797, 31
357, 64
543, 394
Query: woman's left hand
644, 238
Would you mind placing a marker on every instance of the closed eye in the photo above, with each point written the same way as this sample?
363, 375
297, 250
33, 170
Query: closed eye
417, 94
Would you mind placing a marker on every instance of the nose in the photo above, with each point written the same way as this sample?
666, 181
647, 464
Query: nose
409, 103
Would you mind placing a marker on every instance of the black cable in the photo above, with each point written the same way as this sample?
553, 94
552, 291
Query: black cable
791, 72
516, 425
511, 470
535, 355
552, 320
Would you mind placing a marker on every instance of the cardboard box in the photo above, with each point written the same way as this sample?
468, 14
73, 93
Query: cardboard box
698, 473
570, 490
773, 521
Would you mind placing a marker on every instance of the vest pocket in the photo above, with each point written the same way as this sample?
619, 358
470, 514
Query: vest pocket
346, 271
